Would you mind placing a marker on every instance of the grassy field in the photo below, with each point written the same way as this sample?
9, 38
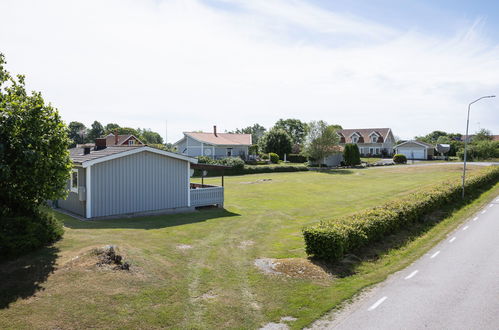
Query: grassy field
197, 270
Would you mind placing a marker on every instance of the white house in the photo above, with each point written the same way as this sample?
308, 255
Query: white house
214, 145
415, 150
371, 141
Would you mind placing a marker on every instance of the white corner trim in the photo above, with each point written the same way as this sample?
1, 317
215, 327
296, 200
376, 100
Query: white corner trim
88, 190
188, 184
135, 151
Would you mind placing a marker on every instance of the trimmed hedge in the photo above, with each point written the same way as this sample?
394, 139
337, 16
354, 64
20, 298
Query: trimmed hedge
254, 170
274, 158
331, 239
20, 234
399, 159
296, 158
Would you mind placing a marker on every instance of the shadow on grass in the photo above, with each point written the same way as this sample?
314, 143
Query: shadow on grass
23, 277
334, 171
349, 264
148, 222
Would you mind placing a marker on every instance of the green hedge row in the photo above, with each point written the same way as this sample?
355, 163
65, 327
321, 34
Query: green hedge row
254, 170
331, 239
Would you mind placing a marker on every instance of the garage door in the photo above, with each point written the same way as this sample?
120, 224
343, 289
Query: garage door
412, 153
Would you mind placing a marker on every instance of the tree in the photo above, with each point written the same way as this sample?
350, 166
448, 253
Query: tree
321, 140
351, 154
296, 129
277, 141
96, 131
431, 138
482, 135
256, 131
34, 160
77, 133
110, 128
149, 137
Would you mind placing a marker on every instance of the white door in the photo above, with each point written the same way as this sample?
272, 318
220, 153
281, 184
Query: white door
412, 153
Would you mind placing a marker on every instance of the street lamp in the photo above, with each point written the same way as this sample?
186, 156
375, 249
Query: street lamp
466, 137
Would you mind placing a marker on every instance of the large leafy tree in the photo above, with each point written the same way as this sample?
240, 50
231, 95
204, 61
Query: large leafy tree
482, 135
34, 160
256, 131
277, 141
96, 131
110, 128
296, 129
77, 133
321, 140
149, 137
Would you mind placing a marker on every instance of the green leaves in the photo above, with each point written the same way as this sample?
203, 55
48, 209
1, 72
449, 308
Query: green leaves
34, 161
331, 239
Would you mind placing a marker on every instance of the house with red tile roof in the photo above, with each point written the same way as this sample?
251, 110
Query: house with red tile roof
215, 145
371, 141
118, 140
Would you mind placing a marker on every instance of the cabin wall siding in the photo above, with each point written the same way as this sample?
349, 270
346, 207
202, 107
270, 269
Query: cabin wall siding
138, 183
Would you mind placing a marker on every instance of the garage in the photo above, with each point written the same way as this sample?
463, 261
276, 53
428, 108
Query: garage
415, 150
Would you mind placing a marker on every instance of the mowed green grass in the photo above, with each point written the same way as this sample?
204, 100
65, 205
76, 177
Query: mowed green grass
213, 284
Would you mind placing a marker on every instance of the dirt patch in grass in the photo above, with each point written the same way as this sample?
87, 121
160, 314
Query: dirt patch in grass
184, 247
293, 267
107, 258
246, 244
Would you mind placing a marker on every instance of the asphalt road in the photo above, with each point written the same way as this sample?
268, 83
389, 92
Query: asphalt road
454, 286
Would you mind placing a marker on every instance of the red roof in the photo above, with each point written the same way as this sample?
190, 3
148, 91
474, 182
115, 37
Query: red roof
221, 138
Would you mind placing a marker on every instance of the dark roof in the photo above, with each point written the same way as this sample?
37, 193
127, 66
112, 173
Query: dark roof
78, 157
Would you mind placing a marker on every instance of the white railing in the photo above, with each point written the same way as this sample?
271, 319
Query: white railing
211, 195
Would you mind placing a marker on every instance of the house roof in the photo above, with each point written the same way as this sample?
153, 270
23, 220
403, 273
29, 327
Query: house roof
423, 144
363, 133
110, 138
221, 138
96, 156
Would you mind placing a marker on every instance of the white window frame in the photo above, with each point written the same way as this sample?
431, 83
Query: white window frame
355, 139
73, 189
374, 139
131, 142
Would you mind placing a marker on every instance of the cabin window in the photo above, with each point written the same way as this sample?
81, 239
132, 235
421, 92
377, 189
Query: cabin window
131, 142
74, 180
229, 152
355, 139
374, 139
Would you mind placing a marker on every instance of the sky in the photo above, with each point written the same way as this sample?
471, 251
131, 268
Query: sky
187, 65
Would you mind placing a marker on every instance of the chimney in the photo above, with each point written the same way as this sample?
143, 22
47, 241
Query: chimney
100, 143
115, 137
215, 130
86, 150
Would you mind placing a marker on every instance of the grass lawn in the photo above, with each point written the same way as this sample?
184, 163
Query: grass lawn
370, 160
197, 270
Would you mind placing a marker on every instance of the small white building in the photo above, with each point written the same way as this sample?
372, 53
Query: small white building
215, 145
415, 150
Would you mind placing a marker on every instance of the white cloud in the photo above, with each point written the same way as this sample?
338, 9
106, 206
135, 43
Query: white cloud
140, 63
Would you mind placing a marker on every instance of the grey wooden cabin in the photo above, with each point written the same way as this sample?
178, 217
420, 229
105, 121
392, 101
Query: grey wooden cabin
120, 180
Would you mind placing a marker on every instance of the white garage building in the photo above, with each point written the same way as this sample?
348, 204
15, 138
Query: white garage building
415, 150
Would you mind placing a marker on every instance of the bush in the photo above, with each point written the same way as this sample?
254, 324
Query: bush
233, 162
20, 234
295, 158
331, 239
481, 150
274, 158
351, 154
399, 159
265, 156
254, 170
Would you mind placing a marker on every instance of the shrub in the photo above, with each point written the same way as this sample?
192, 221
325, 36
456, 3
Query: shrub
233, 162
264, 156
254, 170
22, 233
331, 239
481, 150
295, 158
351, 154
274, 158
399, 159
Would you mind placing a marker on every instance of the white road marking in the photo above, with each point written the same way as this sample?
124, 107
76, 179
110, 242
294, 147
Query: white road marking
491, 205
466, 227
475, 219
435, 254
452, 239
411, 275
377, 303
483, 211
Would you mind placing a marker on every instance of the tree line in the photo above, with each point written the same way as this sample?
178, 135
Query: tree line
79, 133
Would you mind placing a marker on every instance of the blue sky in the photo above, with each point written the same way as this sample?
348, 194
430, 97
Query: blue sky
409, 65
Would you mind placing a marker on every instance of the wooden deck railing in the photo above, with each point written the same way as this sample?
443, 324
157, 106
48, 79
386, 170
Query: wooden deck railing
207, 195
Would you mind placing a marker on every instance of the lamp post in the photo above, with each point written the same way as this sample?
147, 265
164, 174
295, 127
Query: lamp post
466, 137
